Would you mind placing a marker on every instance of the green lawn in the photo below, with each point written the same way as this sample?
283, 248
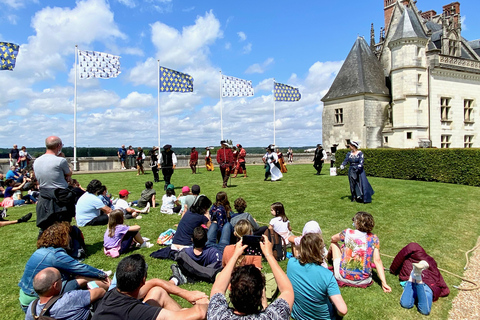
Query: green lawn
443, 218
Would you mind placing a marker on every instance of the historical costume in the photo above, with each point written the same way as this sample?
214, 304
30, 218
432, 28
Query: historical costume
168, 162
240, 167
154, 163
319, 158
281, 162
272, 168
208, 160
290, 155
193, 160
360, 188
225, 160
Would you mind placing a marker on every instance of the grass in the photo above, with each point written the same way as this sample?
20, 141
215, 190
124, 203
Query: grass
443, 218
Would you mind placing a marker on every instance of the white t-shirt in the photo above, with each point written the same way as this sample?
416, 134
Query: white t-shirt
168, 203
281, 228
122, 205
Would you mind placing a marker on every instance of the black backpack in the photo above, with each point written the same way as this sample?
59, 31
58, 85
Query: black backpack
45, 310
279, 245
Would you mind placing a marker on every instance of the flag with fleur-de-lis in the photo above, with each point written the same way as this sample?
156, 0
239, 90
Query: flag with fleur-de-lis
175, 81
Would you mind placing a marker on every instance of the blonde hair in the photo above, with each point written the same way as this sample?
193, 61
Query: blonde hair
311, 249
115, 218
242, 228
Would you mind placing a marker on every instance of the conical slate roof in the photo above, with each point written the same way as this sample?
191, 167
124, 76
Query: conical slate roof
361, 73
409, 27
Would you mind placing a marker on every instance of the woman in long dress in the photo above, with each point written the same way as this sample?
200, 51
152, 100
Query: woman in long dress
208, 160
193, 160
271, 165
281, 162
360, 188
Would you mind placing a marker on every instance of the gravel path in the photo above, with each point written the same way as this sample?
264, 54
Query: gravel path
466, 304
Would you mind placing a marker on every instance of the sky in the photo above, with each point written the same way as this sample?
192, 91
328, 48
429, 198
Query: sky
300, 43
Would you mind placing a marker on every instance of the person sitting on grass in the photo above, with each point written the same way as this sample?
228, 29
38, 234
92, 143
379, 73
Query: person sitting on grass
129, 212
189, 198
4, 222
247, 285
310, 227
240, 205
170, 204
136, 298
10, 190
147, 196
119, 237
242, 228
90, 210
315, 287
51, 253
105, 196
74, 304
352, 263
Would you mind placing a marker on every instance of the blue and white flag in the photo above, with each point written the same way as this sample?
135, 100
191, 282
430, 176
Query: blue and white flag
235, 87
94, 64
175, 81
8, 55
285, 92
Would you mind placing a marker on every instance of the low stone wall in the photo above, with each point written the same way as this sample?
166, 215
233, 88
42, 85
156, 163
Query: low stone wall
86, 164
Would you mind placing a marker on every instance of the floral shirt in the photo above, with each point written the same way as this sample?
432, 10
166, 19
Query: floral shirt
357, 254
219, 214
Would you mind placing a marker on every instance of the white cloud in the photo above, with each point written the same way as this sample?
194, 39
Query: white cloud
228, 46
242, 36
462, 21
128, 3
188, 9
137, 100
259, 68
16, 4
247, 48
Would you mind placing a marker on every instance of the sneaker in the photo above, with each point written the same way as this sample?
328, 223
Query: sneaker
418, 268
177, 273
108, 272
145, 239
138, 217
146, 244
4, 213
25, 218
146, 209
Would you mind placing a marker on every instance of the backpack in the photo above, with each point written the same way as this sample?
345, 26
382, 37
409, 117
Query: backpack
279, 245
45, 310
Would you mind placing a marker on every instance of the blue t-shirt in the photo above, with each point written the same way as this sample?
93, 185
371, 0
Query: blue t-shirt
11, 175
210, 257
312, 285
88, 208
183, 235
73, 305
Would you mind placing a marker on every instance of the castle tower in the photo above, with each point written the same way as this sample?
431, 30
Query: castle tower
408, 74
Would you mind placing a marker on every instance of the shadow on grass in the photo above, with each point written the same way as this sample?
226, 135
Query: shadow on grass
94, 248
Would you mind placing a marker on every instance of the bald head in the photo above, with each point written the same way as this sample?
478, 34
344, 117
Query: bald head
45, 279
53, 142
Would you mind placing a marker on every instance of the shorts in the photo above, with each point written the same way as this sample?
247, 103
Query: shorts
242, 165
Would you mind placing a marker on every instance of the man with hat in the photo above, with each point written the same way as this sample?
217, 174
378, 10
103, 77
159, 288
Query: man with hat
168, 162
154, 163
319, 158
225, 160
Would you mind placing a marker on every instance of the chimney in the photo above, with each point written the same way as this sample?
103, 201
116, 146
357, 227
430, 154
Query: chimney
452, 10
429, 14
388, 10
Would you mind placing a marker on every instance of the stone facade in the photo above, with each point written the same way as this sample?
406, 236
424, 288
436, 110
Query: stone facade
433, 80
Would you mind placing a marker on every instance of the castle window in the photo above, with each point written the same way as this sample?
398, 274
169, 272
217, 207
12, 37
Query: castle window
445, 109
452, 47
409, 135
468, 111
467, 141
445, 141
339, 116
385, 139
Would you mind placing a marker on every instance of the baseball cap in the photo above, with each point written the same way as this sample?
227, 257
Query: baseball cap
170, 187
196, 189
123, 192
186, 189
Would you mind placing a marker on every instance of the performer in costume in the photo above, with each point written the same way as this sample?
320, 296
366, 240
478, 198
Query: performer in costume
290, 155
193, 160
271, 165
281, 162
360, 188
320, 156
208, 160
241, 162
168, 162
225, 160
154, 163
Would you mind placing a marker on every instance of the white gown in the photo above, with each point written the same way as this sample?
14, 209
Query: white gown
271, 159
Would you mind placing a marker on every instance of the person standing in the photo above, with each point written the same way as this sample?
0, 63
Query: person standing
225, 160
360, 188
154, 163
52, 173
13, 155
242, 153
271, 165
281, 162
122, 154
131, 158
168, 162
208, 159
193, 160
290, 155
319, 158
23, 157
140, 160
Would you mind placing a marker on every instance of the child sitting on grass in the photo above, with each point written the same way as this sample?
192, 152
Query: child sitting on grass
170, 204
147, 196
280, 224
119, 237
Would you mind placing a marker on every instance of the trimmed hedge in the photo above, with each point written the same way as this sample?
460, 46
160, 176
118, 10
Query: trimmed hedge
458, 166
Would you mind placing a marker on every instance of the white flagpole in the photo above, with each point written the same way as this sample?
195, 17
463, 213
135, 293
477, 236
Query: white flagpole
75, 114
158, 100
221, 108
273, 95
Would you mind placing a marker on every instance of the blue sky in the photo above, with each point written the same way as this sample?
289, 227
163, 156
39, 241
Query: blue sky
300, 43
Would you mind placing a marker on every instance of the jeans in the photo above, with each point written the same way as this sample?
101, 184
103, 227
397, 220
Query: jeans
224, 236
18, 202
419, 292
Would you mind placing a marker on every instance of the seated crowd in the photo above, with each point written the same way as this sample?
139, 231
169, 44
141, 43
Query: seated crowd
212, 244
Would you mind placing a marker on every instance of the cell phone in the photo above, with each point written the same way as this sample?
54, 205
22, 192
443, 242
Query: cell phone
253, 245
92, 285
